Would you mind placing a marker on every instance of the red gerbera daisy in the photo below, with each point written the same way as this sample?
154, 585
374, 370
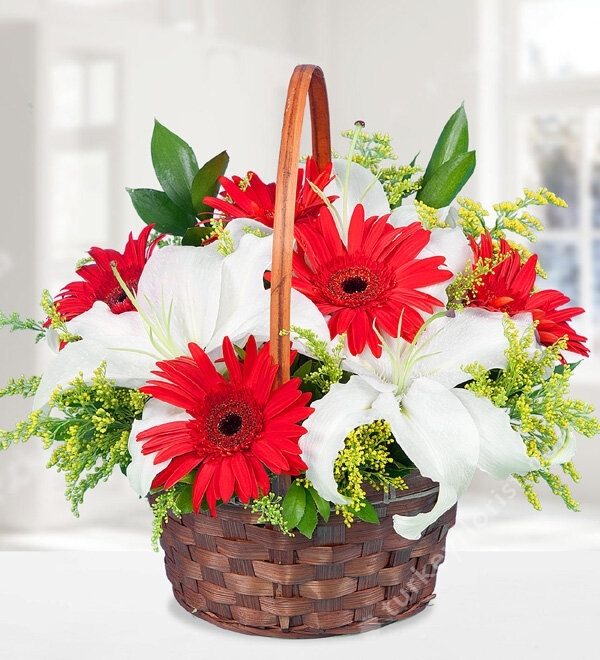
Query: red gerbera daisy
99, 282
256, 199
508, 287
238, 427
373, 282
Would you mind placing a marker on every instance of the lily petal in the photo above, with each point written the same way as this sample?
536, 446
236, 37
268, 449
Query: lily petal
439, 436
363, 188
185, 294
502, 451
127, 367
179, 290
472, 335
99, 321
344, 408
243, 301
452, 244
448, 242
142, 469
306, 315
565, 451
445, 346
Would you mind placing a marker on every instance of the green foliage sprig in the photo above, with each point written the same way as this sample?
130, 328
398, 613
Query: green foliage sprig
302, 506
270, 508
166, 501
370, 150
179, 206
536, 395
55, 319
326, 369
465, 284
511, 217
88, 427
22, 386
15, 322
449, 168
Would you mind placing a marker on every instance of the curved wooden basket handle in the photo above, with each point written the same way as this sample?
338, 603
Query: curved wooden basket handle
307, 79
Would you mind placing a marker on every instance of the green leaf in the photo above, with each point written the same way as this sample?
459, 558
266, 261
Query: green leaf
447, 181
308, 522
294, 505
401, 460
367, 513
206, 183
189, 478
453, 141
175, 166
184, 500
323, 506
303, 370
393, 471
155, 207
196, 235
560, 368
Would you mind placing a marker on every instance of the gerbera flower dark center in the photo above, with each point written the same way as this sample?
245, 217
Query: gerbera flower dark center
233, 421
353, 286
231, 424
118, 301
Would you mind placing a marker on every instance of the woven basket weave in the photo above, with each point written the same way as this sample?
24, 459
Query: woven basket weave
251, 578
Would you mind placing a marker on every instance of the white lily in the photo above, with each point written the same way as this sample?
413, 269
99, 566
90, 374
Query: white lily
449, 242
185, 294
352, 185
445, 431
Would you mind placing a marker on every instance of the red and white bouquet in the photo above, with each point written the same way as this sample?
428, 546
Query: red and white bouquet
422, 338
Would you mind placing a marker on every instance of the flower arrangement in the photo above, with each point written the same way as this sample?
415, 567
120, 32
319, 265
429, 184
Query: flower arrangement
422, 339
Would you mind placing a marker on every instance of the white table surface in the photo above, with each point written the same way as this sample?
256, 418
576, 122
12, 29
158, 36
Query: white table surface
74, 605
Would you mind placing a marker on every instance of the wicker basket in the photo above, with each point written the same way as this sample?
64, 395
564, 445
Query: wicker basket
251, 578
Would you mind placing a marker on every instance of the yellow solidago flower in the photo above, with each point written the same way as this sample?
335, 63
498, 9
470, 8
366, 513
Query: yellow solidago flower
366, 457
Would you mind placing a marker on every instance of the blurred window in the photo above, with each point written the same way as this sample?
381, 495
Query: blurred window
553, 82
558, 39
83, 160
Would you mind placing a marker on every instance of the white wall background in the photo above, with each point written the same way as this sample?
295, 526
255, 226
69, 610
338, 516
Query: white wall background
216, 72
